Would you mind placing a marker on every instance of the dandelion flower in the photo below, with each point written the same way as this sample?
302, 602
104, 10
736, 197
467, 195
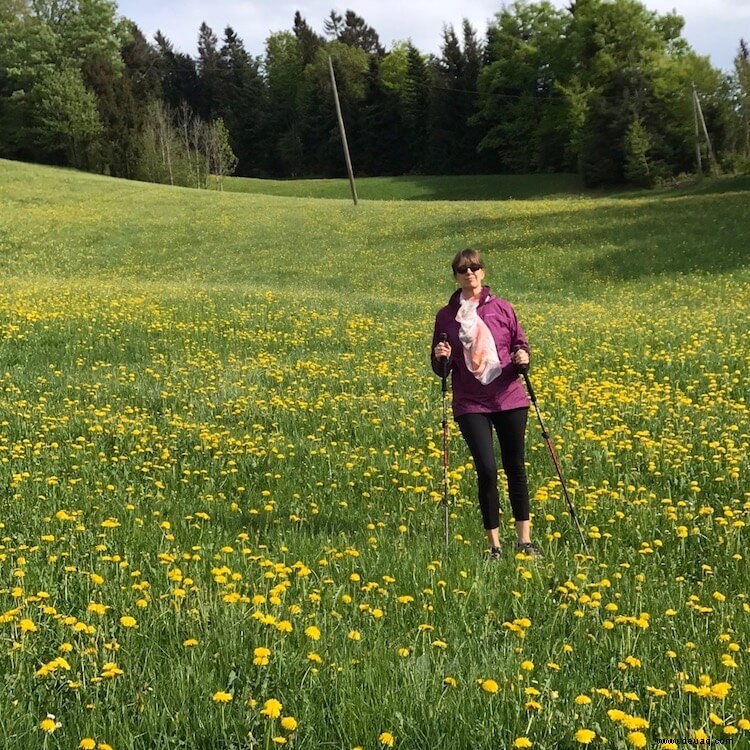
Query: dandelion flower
720, 690
313, 633
527, 665
49, 724
490, 686
637, 739
584, 736
522, 742
289, 723
221, 697
387, 739
582, 700
128, 622
87, 744
634, 722
271, 708
261, 656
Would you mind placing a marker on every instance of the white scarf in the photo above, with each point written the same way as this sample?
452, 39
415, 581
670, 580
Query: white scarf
480, 351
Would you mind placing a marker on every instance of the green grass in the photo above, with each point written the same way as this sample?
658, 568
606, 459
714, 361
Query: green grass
417, 188
217, 418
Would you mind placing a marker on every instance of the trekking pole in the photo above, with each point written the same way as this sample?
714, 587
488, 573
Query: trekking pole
524, 370
443, 339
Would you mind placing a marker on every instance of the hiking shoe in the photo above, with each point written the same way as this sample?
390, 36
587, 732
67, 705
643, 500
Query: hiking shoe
530, 550
494, 553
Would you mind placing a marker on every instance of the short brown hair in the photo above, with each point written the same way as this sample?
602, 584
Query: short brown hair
464, 257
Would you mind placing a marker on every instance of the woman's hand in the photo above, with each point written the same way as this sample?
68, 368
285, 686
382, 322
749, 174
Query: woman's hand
520, 357
442, 350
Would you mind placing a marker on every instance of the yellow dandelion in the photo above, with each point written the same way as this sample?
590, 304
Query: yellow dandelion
128, 622
490, 686
634, 722
522, 742
720, 690
387, 739
289, 723
584, 736
261, 656
87, 744
637, 739
49, 724
221, 697
271, 709
312, 633
582, 700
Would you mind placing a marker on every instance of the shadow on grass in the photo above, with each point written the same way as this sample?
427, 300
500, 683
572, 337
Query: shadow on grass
690, 186
617, 240
419, 188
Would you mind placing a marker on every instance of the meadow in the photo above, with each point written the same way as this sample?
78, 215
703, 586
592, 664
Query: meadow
220, 454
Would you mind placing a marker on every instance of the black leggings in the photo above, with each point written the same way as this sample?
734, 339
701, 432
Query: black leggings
511, 432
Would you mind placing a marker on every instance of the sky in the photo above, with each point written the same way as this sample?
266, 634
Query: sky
712, 27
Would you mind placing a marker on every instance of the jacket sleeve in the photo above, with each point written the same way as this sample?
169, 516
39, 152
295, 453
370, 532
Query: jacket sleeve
439, 367
518, 337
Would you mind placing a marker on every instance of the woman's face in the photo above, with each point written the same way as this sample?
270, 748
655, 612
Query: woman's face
469, 277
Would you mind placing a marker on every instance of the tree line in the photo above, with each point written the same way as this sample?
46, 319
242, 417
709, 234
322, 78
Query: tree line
603, 88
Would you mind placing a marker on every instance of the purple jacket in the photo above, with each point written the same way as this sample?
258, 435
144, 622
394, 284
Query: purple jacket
469, 395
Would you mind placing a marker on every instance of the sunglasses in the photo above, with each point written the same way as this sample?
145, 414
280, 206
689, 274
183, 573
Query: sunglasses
473, 267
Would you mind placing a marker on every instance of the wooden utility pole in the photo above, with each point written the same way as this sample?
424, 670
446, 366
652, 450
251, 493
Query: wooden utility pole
698, 158
343, 132
697, 104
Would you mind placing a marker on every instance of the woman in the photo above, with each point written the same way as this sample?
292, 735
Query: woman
479, 340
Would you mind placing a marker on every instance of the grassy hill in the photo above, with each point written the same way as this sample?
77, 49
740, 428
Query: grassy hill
417, 188
220, 449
